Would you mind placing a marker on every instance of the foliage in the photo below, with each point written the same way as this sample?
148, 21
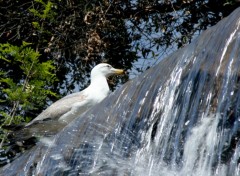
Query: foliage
78, 34
47, 12
27, 86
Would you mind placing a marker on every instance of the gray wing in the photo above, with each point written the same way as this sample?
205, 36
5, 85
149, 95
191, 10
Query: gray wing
60, 107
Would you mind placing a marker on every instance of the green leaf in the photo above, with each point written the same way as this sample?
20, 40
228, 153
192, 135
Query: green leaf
24, 44
4, 58
2, 101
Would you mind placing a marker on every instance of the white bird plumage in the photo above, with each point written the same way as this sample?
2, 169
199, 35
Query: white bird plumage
70, 106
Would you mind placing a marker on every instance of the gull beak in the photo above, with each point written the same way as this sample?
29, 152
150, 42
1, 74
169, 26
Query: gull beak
118, 71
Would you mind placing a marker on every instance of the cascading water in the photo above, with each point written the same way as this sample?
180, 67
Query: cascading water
180, 118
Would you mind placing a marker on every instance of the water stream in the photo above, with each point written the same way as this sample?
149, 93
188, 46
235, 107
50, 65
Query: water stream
179, 118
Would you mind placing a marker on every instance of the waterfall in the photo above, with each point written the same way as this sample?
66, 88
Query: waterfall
179, 118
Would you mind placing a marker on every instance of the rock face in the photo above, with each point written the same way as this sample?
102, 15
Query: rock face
181, 117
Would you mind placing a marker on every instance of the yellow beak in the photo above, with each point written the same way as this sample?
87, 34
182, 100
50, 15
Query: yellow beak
118, 71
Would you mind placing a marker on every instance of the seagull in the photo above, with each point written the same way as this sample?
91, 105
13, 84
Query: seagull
71, 106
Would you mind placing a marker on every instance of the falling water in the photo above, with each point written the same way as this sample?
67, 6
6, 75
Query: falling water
180, 118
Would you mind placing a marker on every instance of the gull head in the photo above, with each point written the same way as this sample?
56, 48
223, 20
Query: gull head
105, 70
